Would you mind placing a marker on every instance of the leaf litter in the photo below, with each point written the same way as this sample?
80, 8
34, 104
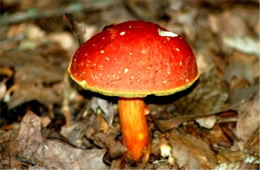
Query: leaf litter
213, 125
30, 147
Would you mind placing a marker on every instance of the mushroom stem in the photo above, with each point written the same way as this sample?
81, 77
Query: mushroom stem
134, 127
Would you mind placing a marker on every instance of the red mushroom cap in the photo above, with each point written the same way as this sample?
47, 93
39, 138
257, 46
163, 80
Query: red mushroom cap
134, 59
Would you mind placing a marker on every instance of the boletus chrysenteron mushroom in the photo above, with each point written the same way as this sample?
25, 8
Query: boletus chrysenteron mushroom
132, 60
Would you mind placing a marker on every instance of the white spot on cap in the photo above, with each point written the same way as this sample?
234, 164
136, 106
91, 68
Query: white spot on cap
187, 80
107, 58
164, 82
93, 45
163, 33
114, 76
143, 52
126, 70
148, 68
177, 49
86, 54
103, 38
130, 53
100, 74
93, 77
122, 33
130, 26
102, 51
101, 67
167, 64
168, 72
94, 64
83, 72
180, 63
88, 61
132, 77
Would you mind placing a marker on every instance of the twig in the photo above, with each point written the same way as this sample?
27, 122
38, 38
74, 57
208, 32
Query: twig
79, 29
65, 103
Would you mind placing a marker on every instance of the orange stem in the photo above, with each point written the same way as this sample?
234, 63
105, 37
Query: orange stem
134, 127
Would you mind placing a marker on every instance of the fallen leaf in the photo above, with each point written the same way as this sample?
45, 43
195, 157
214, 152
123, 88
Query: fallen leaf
228, 156
115, 148
240, 66
88, 126
244, 44
228, 23
248, 119
75, 132
207, 98
190, 152
30, 146
107, 107
146, 10
35, 74
240, 95
252, 146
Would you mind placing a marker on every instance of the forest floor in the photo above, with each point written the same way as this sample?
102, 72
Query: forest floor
48, 121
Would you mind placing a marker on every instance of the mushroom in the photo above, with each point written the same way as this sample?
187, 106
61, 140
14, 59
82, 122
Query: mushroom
132, 60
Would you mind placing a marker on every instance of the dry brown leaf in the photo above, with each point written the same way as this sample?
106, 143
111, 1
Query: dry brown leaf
207, 98
228, 24
87, 127
107, 107
240, 95
216, 137
29, 146
240, 66
252, 146
248, 119
146, 9
115, 148
75, 132
190, 152
227, 156
37, 76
